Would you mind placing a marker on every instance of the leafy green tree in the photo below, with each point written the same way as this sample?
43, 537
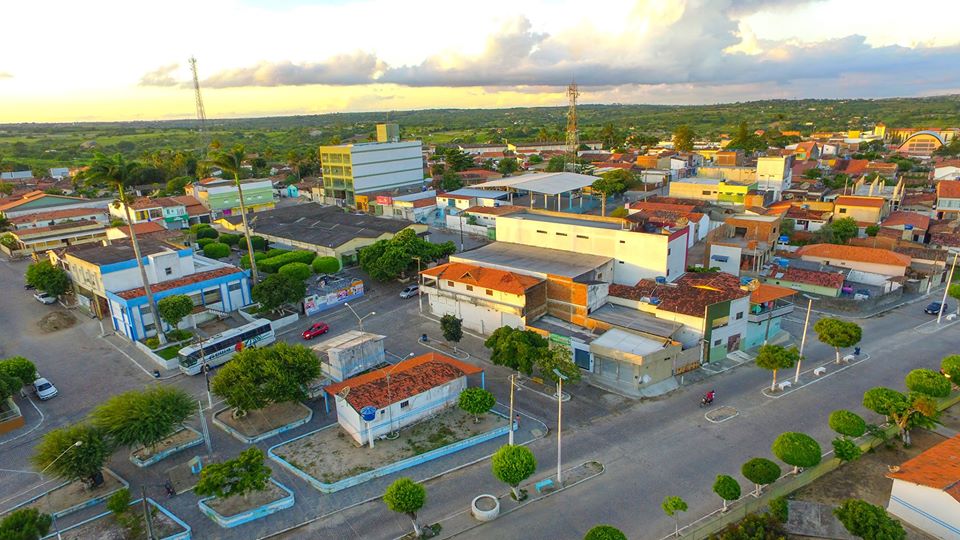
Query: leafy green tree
296, 270
950, 366
516, 349
476, 401
776, 357
203, 230
837, 333
178, 185
143, 417
174, 308
556, 164
760, 471
535, 159
605, 532
872, 230
672, 506
812, 173
839, 231
25, 524
48, 278
513, 464
216, 250
450, 180
120, 174
620, 212
928, 382
797, 449
405, 496
507, 166
277, 290
232, 163
452, 329
258, 377
558, 357
607, 185
325, 265
683, 137
19, 368
845, 449
905, 411
230, 239
869, 521
727, 488
847, 423
746, 140
241, 475
388, 259
74, 452
753, 527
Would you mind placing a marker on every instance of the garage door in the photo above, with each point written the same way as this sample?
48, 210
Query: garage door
480, 319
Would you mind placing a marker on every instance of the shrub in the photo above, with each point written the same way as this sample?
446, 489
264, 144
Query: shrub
230, 239
928, 382
19, 368
207, 232
797, 449
845, 449
296, 270
274, 252
866, 520
216, 250
780, 509
204, 242
847, 423
752, 527
271, 265
24, 524
605, 532
152, 342
259, 243
325, 265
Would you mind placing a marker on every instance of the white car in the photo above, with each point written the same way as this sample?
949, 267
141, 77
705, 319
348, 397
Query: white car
44, 389
45, 298
410, 291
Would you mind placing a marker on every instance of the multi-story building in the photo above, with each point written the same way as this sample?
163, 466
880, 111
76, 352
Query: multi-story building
948, 199
38, 201
172, 212
775, 173
865, 211
713, 190
222, 198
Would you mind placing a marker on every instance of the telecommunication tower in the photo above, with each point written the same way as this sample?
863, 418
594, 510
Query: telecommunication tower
201, 114
573, 137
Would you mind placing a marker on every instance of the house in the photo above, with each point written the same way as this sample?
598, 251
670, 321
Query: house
418, 206
738, 174
59, 173
886, 170
16, 176
108, 280
775, 173
768, 307
713, 190
38, 201
222, 198
38, 240
805, 216
947, 205
926, 490
911, 225
146, 229
868, 260
400, 395
807, 150
631, 362
805, 280
865, 211
350, 353
729, 158
698, 222
476, 176
712, 308
54, 217
173, 212
945, 234
481, 219
946, 170
743, 242
456, 201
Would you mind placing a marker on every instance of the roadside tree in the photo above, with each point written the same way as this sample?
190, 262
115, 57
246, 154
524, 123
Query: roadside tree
950, 366
476, 401
405, 496
74, 452
797, 449
905, 411
174, 308
48, 278
954, 292
774, 358
605, 532
760, 471
19, 368
143, 417
452, 329
866, 520
557, 357
513, 464
516, 349
607, 185
847, 423
928, 382
672, 506
837, 333
727, 488
389, 259
258, 377
277, 290
845, 449
25, 524
241, 475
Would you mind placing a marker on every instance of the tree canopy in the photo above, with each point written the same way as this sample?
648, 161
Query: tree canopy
929, 383
24, 524
476, 401
389, 259
405, 496
727, 488
847, 423
760, 471
797, 449
452, 328
50, 279
60, 453
837, 333
238, 476
143, 417
277, 290
513, 464
683, 137
776, 357
260, 376
951, 367
605, 532
524, 350
866, 520
609, 184
174, 308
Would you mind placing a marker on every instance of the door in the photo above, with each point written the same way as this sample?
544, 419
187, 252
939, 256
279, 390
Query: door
733, 343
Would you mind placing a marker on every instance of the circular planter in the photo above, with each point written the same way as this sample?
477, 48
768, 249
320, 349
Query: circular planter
485, 507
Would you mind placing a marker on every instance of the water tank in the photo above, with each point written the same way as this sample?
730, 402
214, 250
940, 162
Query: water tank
661, 279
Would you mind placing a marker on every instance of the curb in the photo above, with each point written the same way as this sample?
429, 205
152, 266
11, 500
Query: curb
265, 435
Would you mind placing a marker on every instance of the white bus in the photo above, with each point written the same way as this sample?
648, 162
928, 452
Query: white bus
219, 348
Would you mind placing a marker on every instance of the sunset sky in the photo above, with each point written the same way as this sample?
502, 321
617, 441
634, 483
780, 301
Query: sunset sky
123, 60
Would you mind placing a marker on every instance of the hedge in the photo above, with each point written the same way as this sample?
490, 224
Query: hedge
204, 242
272, 264
230, 239
275, 252
325, 265
216, 250
207, 232
245, 260
259, 243
296, 270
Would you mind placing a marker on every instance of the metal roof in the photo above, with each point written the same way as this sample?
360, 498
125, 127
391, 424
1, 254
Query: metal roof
531, 260
543, 183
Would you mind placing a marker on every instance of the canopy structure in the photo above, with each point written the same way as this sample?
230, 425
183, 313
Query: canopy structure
546, 184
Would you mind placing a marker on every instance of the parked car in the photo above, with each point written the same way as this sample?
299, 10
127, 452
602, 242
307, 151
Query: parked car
28, 287
318, 329
44, 389
410, 291
934, 308
45, 298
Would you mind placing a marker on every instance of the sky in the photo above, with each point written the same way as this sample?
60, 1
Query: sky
102, 60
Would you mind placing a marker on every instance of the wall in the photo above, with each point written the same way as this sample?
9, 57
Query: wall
928, 509
386, 165
736, 174
477, 314
868, 215
733, 253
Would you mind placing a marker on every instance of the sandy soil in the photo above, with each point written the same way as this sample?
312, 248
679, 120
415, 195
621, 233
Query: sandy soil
106, 528
331, 455
178, 438
232, 506
74, 493
265, 419
56, 320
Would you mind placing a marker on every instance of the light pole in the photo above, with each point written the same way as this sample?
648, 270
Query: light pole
560, 378
513, 384
943, 303
803, 340
419, 282
460, 215
72, 446
205, 368
359, 318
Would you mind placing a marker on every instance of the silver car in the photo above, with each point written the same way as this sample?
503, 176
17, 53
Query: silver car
45, 298
410, 291
44, 389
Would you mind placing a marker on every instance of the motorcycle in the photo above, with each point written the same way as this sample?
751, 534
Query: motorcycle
705, 402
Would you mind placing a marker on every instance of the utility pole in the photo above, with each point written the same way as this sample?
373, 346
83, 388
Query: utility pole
946, 289
201, 112
803, 340
146, 513
573, 137
203, 426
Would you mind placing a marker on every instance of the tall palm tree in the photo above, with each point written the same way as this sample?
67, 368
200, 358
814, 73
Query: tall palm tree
120, 174
232, 162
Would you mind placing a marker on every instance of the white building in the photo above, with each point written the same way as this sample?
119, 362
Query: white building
462, 199
400, 395
774, 173
926, 490
354, 169
350, 353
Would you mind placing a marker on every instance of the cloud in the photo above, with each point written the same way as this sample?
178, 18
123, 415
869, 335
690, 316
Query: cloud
344, 69
162, 76
5, 75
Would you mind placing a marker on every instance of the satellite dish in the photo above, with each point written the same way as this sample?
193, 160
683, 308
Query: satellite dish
342, 394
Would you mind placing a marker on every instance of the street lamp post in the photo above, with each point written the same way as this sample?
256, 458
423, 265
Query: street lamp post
359, 318
513, 384
72, 446
803, 340
560, 378
943, 303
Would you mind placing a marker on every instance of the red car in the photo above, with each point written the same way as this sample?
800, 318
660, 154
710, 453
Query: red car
318, 329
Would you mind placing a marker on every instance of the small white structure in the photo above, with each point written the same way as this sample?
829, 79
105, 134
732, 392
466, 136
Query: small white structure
350, 353
926, 490
400, 395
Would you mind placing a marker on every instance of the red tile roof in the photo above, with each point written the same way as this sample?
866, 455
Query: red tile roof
948, 189
408, 378
158, 202
852, 167
645, 205
146, 227
807, 277
865, 202
768, 293
57, 214
180, 282
937, 467
688, 295
854, 253
479, 276
32, 196
899, 219
85, 224
796, 212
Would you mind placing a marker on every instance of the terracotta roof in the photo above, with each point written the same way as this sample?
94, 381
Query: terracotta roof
807, 277
768, 293
879, 166
180, 282
62, 226
854, 253
949, 189
479, 173
688, 295
458, 197
408, 378
488, 278
146, 227
32, 196
898, 219
924, 253
937, 467
495, 210
796, 212
57, 214
851, 167
866, 202
161, 202
645, 205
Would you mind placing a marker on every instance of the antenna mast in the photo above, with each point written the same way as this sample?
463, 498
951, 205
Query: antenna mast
573, 138
201, 114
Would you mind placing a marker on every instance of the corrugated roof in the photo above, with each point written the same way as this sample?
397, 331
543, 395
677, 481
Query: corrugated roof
543, 183
937, 467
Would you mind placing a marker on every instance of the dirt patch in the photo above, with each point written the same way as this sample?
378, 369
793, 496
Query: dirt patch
266, 419
107, 528
232, 506
56, 320
330, 455
73, 494
179, 437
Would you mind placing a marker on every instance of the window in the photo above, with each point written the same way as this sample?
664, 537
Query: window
489, 292
739, 315
717, 343
211, 296
623, 241
583, 237
541, 232
404, 404
669, 251
235, 286
449, 284
168, 271
706, 192
720, 322
469, 287
621, 262
560, 234
843, 210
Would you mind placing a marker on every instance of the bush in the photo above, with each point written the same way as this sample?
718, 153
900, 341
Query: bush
271, 265
797, 449
296, 270
847, 423
204, 242
24, 524
259, 243
275, 252
207, 232
866, 520
19, 368
216, 250
230, 239
152, 342
605, 532
752, 527
928, 382
780, 509
179, 335
325, 265
845, 449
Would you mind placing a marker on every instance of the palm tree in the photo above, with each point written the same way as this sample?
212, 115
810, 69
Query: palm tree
119, 173
232, 162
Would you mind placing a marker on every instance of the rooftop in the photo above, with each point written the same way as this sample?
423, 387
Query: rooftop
417, 196
488, 278
702, 180
621, 343
327, 226
532, 260
495, 210
688, 295
937, 467
867, 202
949, 189
768, 293
57, 214
901, 218
854, 253
116, 252
407, 379
476, 193
805, 276
199, 277
145, 227
543, 183
346, 340
636, 320
569, 219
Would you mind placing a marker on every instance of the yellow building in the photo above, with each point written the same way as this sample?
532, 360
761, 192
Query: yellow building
865, 210
711, 189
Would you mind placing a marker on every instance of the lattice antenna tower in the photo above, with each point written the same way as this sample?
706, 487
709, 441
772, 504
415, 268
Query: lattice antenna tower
573, 136
201, 113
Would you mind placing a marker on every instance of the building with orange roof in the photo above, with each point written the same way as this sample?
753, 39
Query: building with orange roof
34, 202
948, 199
926, 490
172, 212
39, 240
53, 217
863, 259
909, 225
484, 298
769, 304
400, 395
864, 210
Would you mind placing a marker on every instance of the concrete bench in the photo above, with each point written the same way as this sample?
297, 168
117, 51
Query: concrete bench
543, 484
784, 385
849, 358
819, 371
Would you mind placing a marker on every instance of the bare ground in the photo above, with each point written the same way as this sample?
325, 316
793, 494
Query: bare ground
232, 506
330, 455
107, 528
56, 320
179, 437
74, 493
265, 419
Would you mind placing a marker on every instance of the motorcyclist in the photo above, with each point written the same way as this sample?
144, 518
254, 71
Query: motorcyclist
709, 396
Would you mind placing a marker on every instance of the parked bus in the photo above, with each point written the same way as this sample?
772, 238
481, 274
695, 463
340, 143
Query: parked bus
219, 348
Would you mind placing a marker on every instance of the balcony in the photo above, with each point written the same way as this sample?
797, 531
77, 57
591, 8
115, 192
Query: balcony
778, 310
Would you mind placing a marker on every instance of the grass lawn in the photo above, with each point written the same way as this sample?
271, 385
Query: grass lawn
168, 353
